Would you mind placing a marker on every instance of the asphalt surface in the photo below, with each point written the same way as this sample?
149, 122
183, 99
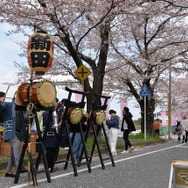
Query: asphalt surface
147, 167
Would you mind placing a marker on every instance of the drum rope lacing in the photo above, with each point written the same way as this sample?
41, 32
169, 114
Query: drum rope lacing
29, 109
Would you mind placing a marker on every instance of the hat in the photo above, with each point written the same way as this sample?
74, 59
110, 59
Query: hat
112, 111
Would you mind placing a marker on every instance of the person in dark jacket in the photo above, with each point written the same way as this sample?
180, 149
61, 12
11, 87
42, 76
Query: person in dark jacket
127, 127
8, 121
51, 141
113, 125
63, 136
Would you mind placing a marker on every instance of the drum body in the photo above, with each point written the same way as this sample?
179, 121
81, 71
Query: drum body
74, 115
99, 116
17, 100
41, 93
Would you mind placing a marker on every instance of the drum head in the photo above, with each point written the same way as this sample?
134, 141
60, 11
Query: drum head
75, 115
100, 117
46, 93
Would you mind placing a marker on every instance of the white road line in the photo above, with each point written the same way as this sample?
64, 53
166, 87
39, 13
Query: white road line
184, 147
98, 166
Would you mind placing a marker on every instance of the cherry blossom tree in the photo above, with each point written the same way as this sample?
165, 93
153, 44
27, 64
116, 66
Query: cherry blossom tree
80, 29
153, 36
123, 43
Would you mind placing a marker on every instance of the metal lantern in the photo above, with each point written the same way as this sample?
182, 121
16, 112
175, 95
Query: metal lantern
40, 52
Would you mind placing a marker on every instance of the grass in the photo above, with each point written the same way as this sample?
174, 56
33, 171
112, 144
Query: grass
3, 164
141, 136
139, 141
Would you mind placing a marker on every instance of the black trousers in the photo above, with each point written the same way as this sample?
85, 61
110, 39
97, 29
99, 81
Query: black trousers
157, 132
186, 136
126, 139
51, 156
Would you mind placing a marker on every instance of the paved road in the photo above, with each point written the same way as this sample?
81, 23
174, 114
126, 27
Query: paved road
148, 167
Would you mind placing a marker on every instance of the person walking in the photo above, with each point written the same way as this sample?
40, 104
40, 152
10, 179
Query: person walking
127, 127
179, 130
185, 126
8, 121
183, 135
113, 126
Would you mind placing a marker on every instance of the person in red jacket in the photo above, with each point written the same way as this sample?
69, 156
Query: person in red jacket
156, 127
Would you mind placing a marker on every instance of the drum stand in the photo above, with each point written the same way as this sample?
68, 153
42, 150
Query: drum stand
25, 147
97, 131
81, 105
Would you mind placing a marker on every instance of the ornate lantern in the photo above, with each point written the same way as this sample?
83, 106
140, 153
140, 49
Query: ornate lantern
40, 52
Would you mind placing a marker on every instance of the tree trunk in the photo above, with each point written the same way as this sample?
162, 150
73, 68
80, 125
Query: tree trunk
97, 89
99, 69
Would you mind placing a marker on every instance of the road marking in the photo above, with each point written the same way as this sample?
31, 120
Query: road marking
98, 166
184, 147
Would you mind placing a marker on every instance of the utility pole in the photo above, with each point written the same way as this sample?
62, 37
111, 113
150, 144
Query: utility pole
169, 102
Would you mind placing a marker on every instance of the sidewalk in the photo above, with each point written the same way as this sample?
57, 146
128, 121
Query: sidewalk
172, 136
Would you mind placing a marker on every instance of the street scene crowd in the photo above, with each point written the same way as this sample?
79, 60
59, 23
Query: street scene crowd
56, 136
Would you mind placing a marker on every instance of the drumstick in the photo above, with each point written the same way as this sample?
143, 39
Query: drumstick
7, 89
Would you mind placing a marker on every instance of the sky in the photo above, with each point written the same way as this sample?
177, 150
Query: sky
9, 51
8, 54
